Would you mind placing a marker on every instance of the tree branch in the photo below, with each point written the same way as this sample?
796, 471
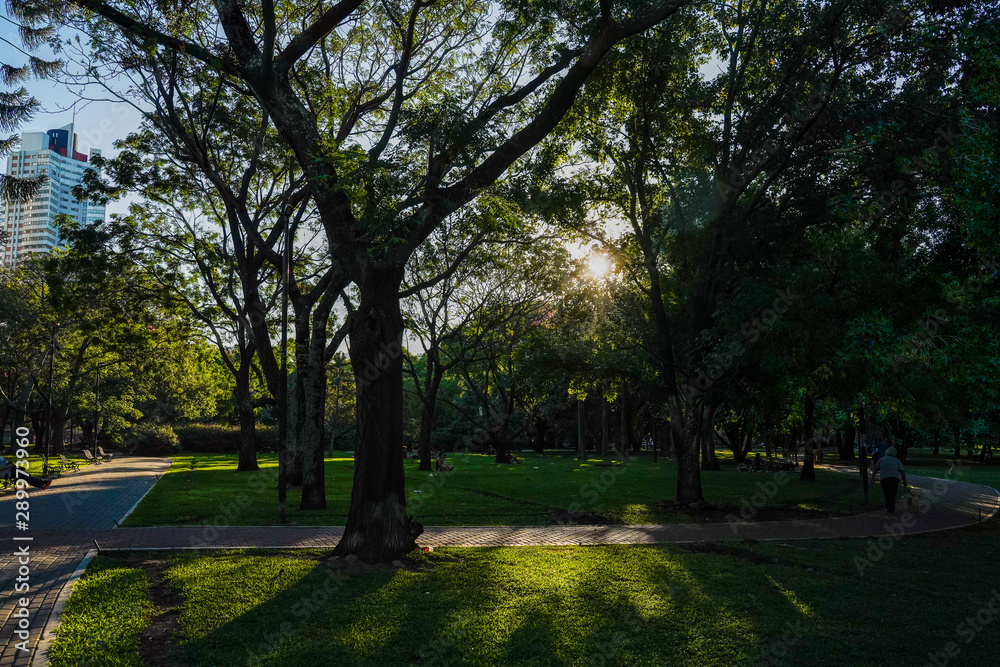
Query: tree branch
129, 24
309, 37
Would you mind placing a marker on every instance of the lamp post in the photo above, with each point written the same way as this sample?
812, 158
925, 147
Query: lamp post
48, 416
97, 418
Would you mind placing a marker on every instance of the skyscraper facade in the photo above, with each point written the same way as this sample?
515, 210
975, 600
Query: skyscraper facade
31, 227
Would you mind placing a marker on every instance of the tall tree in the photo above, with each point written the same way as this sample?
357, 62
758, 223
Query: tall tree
398, 115
721, 180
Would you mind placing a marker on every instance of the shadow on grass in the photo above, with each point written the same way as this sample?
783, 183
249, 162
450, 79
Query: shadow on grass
328, 616
530, 606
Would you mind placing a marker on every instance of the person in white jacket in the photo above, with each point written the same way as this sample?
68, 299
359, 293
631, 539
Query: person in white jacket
890, 471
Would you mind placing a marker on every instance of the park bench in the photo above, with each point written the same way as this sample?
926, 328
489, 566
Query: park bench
90, 457
54, 469
106, 457
67, 464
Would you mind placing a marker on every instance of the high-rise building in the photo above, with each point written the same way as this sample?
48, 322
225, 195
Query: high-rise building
31, 226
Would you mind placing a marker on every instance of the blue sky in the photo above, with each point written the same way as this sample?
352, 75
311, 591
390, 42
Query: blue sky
98, 123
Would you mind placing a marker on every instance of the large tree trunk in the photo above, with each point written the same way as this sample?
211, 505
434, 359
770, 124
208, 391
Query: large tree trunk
305, 457
86, 433
244, 407
432, 380
709, 461
957, 434
293, 457
307, 401
581, 425
937, 442
705, 420
740, 437
58, 430
377, 527
40, 429
541, 430
684, 435
310, 393
845, 444
424, 441
501, 445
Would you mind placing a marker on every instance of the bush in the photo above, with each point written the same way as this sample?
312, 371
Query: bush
222, 439
152, 440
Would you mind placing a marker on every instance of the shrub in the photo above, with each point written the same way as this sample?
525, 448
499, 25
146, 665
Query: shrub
152, 440
223, 439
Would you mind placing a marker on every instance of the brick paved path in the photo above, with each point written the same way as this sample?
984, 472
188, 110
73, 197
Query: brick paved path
82, 507
948, 505
62, 520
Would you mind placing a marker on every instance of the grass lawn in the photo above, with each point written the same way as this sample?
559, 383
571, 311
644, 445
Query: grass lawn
104, 617
797, 603
205, 488
36, 463
922, 462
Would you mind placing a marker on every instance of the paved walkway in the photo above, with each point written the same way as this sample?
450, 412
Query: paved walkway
947, 504
61, 521
82, 507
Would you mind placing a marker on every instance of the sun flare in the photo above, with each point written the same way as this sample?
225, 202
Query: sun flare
599, 266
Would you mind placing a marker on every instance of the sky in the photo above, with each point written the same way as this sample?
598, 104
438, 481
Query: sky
98, 124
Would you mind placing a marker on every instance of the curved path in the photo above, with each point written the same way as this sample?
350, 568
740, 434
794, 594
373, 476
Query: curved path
80, 511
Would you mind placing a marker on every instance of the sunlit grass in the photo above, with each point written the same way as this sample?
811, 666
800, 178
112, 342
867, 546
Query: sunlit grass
207, 489
104, 617
801, 603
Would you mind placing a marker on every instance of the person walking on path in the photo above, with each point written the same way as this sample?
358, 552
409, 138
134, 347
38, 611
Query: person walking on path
7, 471
890, 471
